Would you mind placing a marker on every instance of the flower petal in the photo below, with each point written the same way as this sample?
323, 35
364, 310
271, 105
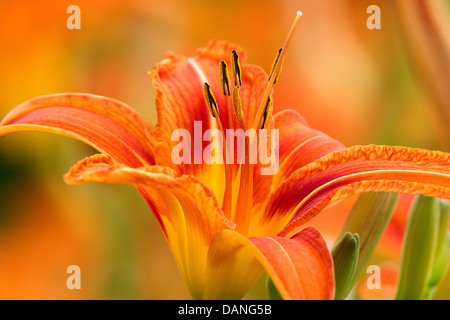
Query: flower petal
299, 144
300, 267
180, 97
186, 209
355, 170
232, 268
104, 123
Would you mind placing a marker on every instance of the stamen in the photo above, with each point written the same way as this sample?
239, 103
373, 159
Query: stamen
237, 104
224, 82
279, 71
210, 100
275, 73
275, 61
267, 112
236, 68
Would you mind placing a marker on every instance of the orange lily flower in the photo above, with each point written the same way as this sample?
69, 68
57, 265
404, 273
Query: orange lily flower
227, 223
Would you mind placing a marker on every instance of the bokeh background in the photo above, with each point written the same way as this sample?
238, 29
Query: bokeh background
361, 86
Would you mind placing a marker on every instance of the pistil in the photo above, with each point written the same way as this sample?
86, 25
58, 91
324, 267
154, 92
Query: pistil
276, 68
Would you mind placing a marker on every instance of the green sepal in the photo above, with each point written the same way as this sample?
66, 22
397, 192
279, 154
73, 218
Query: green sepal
345, 257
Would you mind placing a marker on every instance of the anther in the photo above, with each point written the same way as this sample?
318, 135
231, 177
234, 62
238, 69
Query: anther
210, 101
267, 112
237, 104
274, 65
275, 62
224, 79
236, 68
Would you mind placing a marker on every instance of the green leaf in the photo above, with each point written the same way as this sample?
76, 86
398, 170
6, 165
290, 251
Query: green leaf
345, 256
443, 245
440, 266
442, 289
272, 291
419, 248
369, 218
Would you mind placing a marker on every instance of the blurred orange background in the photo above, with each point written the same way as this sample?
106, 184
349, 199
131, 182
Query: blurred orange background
358, 85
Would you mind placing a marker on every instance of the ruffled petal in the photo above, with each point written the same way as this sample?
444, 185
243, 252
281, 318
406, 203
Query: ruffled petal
186, 209
104, 123
355, 170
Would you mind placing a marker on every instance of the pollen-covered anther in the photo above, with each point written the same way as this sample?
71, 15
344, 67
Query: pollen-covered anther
224, 78
267, 112
210, 100
237, 104
274, 64
236, 67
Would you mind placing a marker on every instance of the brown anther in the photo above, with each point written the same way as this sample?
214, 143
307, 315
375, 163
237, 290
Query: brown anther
275, 61
236, 67
224, 79
210, 100
267, 112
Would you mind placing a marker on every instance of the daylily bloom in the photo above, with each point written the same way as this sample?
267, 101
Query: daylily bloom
227, 223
